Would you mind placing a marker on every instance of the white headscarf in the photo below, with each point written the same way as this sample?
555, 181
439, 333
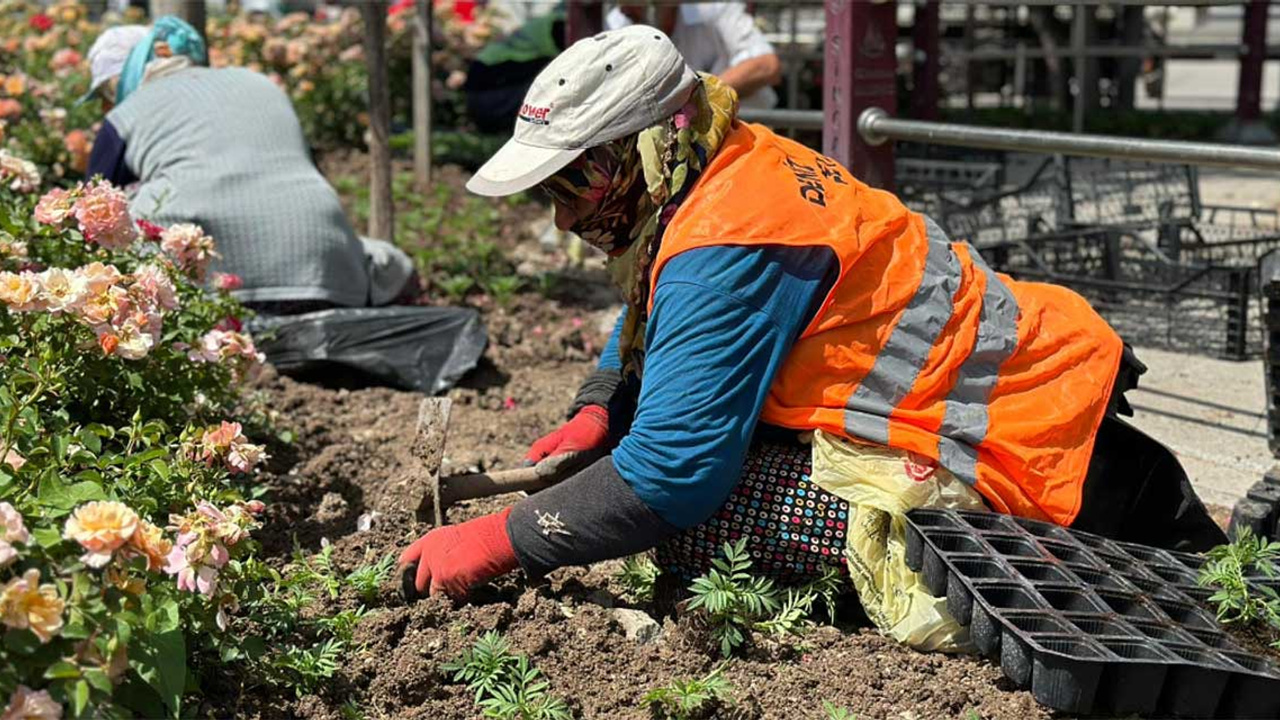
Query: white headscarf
109, 52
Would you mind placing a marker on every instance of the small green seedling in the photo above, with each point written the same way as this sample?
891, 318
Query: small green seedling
638, 576
735, 602
687, 698
837, 712
506, 685
368, 579
1227, 569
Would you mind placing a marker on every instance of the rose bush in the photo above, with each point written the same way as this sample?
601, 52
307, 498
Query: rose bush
317, 59
125, 503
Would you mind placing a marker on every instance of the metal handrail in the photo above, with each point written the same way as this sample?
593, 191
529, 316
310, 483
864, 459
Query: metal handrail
876, 127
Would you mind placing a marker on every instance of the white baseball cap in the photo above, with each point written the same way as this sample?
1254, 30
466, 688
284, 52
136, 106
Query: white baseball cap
602, 88
108, 53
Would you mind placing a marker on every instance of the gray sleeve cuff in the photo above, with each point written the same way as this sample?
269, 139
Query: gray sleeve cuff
597, 389
592, 516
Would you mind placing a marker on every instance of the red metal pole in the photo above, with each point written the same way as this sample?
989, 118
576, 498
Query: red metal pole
584, 19
859, 71
1249, 95
925, 45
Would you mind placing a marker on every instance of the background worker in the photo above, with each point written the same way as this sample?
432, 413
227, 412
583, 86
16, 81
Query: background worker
717, 38
222, 148
772, 296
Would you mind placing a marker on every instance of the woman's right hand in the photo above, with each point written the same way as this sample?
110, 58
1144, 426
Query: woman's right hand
587, 431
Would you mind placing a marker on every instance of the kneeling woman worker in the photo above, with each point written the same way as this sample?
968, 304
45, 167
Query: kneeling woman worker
801, 358
222, 148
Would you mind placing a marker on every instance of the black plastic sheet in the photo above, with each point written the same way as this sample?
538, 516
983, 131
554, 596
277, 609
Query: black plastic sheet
427, 349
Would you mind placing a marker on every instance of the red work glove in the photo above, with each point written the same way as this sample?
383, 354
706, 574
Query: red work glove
455, 558
588, 430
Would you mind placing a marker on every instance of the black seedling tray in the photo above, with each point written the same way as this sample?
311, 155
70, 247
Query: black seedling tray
1089, 625
1259, 509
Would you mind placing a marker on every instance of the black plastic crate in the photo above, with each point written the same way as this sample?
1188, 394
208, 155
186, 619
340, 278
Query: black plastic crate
1259, 509
1089, 625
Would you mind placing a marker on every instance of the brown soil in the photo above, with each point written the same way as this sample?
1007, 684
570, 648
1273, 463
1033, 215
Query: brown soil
353, 458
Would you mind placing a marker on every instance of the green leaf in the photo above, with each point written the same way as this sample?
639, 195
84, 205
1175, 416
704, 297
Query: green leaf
99, 680
161, 469
165, 618
80, 697
162, 664
46, 537
54, 493
90, 441
62, 670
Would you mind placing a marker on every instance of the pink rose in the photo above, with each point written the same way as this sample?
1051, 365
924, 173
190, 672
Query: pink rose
227, 281
103, 215
54, 207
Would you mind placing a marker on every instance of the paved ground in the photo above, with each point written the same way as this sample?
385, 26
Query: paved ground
1212, 413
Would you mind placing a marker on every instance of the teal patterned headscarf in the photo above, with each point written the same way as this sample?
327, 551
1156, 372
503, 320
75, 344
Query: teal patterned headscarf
181, 39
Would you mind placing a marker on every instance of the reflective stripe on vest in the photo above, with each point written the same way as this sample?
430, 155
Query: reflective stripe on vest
964, 423
900, 362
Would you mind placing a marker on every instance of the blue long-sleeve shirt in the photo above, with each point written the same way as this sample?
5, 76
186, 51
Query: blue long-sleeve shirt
724, 318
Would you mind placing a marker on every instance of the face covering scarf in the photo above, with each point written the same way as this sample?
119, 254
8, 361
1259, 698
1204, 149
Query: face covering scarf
630, 215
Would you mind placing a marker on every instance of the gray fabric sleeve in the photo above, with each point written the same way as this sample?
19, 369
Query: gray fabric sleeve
592, 516
597, 389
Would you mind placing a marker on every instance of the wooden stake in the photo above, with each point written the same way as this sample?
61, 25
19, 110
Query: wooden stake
381, 210
423, 75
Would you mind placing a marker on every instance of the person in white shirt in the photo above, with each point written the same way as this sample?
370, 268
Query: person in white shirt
719, 38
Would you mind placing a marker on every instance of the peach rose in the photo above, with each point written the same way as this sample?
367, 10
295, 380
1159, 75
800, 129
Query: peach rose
103, 214
10, 108
61, 290
20, 291
155, 286
20, 175
99, 309
149, 541
101, 527
77, 143
54, 207
28, 704
26, 604
98, 277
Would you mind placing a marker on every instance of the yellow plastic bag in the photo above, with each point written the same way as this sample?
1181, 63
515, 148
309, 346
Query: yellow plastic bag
881, 485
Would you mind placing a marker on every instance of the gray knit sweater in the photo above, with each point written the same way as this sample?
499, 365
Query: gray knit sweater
223, 149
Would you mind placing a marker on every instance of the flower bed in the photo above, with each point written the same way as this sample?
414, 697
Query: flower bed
125, 505
318, 60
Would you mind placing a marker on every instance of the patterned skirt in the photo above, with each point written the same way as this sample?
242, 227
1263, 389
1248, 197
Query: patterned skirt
794, 529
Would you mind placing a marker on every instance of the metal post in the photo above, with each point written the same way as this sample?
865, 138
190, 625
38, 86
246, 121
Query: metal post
1247, 126
925, 44
1134, 28
1079, 70
859, 72
423, 78
584, 18
381, 207
196, 15
970, 42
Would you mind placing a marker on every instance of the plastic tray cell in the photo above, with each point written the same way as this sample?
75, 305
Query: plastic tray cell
1069, 553
1098, 625
1014, 546
1254, 693
1194, 687
1090, 625
1066, 672
1132, 685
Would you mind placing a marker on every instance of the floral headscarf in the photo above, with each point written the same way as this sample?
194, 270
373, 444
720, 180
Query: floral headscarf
631, 216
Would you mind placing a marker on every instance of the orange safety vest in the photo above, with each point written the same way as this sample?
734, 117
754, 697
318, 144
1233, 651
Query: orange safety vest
919, 345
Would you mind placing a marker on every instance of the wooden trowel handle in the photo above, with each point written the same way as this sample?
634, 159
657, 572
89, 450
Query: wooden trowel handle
530, 479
